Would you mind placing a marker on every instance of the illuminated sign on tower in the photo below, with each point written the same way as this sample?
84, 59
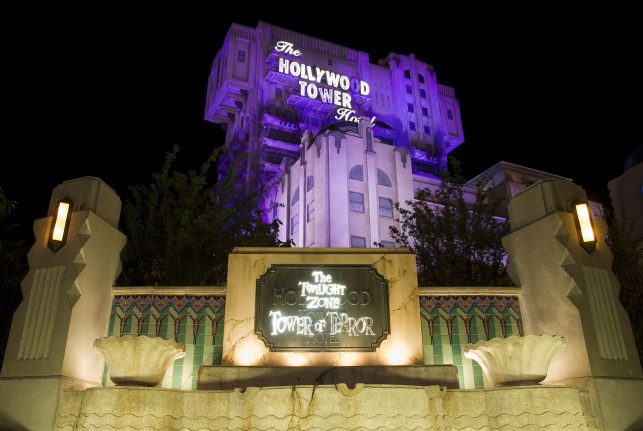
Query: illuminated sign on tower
326, 86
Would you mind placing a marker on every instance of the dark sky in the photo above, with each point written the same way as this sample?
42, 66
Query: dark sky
107, 93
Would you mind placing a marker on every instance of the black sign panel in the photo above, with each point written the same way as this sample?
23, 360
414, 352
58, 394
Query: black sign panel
322, 308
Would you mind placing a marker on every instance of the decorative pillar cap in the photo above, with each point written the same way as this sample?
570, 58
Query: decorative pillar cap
542, 199
89, 194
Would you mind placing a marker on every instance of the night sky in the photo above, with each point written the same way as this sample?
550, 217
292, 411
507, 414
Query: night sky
109, 93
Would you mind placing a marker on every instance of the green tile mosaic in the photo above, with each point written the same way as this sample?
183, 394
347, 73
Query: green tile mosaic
191, 320
448, 323
451, 322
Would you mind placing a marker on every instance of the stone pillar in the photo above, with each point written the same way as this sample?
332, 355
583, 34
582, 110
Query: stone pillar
337, 208
572, 293
366, 132
403, 176
66, 306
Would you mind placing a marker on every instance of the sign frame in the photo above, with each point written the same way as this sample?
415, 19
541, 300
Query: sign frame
382, 283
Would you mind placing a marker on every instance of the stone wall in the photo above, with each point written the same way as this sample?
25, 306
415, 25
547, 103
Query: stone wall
366, 407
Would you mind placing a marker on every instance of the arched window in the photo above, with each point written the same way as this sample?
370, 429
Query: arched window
357, 173
383, 179
295, 196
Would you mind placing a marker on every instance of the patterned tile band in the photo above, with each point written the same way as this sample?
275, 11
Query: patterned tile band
196, 321
448, 323
451, 322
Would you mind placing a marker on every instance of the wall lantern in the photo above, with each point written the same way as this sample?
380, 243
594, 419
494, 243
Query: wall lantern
584, 225
60, 224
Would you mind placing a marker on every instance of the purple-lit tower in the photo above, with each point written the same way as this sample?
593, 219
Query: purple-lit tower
268, 85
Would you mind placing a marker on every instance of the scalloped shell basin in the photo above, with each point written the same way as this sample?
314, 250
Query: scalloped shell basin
515, 360
138, 361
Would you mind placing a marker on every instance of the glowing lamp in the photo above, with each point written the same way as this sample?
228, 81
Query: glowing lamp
584, 225
60, 224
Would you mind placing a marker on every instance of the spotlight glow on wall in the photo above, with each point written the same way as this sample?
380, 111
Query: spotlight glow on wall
584, 225
60, 224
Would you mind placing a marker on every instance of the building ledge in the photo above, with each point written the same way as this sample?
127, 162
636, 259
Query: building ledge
217, 377
320, 250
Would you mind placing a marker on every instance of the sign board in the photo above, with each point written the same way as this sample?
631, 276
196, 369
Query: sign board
322, 308
325, 86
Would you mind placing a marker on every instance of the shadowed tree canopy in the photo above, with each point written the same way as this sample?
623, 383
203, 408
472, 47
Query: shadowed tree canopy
628, 268
13, 266
182, 226
6, 205
456, 243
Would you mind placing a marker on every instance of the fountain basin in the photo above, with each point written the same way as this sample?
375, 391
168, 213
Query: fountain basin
138, 361
515, 360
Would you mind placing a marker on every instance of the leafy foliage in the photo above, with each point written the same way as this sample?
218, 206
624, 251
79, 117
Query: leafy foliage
13, 267
6, 205
182, 227
456, 243
628, 268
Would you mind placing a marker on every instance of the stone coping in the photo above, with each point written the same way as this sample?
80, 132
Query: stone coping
221, 290
169, 290
469, 291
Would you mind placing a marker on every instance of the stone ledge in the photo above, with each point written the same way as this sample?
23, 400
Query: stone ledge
230, 377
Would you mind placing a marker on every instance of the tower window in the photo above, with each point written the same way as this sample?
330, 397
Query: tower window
388, 244
357, 173
421, 79
358, 241
310, 214
427, 130
425, 111
383, 179
310, 183
386, 207
241, 56
412, 125
294, 224
423, 93
409, 107
449, 114
295, 196
407, 74
356, 201
409, 89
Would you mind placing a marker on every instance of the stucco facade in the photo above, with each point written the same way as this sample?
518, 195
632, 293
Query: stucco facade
342, 190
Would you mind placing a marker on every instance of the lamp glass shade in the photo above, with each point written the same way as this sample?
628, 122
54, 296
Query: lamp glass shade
584, 225
60, 224
586, 230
